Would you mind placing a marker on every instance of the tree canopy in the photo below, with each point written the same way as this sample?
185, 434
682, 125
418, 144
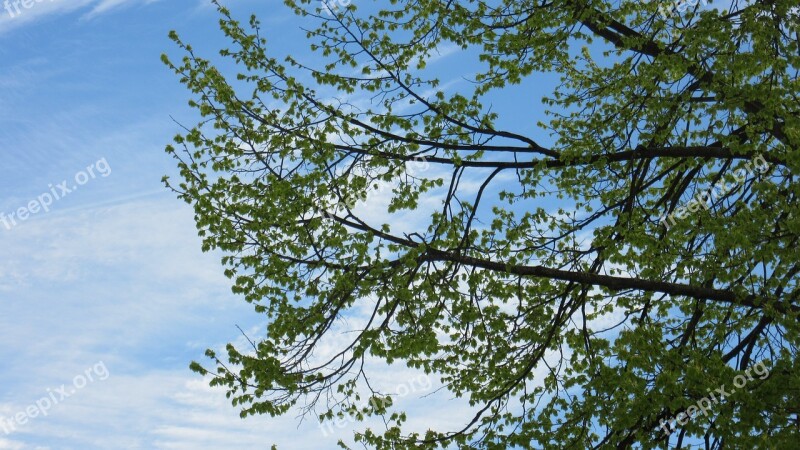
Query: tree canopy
584, 267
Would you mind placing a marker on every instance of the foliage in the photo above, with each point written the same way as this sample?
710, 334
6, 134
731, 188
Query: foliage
545, 288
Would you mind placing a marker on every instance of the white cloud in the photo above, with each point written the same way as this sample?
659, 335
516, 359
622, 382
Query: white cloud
15, 14
126, 285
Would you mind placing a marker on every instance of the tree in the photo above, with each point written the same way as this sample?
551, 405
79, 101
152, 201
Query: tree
588, 282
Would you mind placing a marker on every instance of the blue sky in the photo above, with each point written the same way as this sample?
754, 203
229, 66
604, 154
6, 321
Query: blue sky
110, 283
105, 297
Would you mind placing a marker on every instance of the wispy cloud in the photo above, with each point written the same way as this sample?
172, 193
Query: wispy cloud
15, 14
112, 284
